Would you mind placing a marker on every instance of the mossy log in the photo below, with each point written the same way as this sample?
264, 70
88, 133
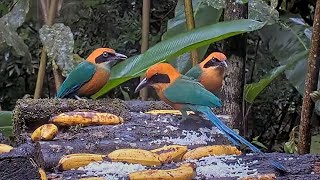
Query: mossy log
143, 131
31, 113
21, 162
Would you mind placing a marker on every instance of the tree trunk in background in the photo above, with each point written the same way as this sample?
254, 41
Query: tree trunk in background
188, 9
235, 49
311, 83
145, 39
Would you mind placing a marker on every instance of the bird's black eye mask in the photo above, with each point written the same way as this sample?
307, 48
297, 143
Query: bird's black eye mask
212, 62
104, 57
159, 78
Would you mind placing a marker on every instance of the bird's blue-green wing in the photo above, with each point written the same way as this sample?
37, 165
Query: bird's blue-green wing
77, 77
188, 91
195, 72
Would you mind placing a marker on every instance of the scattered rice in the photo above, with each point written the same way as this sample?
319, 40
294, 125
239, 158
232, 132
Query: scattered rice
216, 166
202, 136
110, 170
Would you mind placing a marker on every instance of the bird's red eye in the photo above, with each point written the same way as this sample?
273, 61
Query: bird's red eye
105, 54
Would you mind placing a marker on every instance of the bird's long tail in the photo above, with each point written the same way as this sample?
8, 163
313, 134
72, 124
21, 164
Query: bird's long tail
234, 137
229, 133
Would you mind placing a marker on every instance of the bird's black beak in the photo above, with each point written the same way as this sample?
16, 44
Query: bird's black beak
142, 84
120, 56
224, 64
117, 57
114, 59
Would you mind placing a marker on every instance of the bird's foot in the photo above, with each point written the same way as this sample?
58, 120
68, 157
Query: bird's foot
78, 98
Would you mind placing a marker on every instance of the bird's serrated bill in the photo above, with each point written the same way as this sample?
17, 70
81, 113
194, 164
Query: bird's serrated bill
141, 85
120, 56
225, 63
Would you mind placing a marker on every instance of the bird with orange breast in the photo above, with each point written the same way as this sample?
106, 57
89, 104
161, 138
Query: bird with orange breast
91, 75
210, 72
184, 93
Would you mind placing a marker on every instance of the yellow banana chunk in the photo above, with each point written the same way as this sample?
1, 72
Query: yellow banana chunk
86, 119
170, 153
74, 161
270, 176
184, 172
43, 175
174, 112
217, 150
92, 178
44, 132
137, 156
4, 148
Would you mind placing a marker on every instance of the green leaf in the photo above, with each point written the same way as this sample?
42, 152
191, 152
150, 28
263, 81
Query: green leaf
5, 118
6, 130
315, 144
289, 42
256, 142
291, 145
177, 45
260, 10
289, 38
203, 15
251, 91
8, 26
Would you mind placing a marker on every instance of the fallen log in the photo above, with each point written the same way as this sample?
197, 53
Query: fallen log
141, 131
32, 113
225, 167
21, 162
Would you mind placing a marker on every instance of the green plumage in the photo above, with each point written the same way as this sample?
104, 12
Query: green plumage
185, 90
77, 77
195, 72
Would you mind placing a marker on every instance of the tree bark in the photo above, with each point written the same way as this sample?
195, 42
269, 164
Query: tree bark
300, 166
133, 133
190, 26
31, 113
311, 83
235, 49
145, 38
22, 162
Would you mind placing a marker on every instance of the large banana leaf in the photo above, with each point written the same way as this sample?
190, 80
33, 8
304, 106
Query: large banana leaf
176, 46
289, 42
204, 14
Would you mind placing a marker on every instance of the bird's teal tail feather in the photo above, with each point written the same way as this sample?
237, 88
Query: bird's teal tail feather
228, 132
234, 137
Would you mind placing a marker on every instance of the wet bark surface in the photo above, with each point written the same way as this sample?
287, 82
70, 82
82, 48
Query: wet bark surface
139, 130
21, 163
142, 131
300, 167
235, 49
31, 113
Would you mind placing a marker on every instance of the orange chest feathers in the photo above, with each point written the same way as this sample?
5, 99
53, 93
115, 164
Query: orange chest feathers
212, 79
99, 79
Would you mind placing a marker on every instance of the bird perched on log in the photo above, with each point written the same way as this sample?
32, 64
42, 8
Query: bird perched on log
184, 93
210, 72
91, 75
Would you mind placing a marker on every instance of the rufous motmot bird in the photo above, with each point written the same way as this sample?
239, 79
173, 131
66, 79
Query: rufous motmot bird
90, 75
184, 93
210, 72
